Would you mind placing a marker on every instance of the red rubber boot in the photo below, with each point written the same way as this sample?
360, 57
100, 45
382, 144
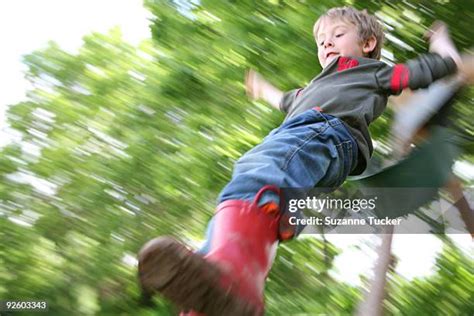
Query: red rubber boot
230, 279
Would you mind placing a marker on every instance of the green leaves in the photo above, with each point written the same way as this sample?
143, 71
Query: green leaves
134, 142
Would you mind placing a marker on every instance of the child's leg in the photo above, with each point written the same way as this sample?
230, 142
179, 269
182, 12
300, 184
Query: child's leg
307, 150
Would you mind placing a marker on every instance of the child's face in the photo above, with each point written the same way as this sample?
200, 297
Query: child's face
337, 37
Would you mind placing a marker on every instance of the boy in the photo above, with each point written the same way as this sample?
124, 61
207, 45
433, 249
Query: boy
323, 139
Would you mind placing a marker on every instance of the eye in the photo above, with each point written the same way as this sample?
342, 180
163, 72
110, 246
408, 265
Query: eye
339, 35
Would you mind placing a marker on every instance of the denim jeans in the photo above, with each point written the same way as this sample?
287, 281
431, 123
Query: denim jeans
311, 149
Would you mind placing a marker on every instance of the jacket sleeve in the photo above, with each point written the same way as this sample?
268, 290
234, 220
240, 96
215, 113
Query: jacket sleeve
288, 99
415, 74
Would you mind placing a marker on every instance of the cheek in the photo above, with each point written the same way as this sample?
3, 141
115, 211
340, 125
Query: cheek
345, 45
352, 46
320, 55
321, 60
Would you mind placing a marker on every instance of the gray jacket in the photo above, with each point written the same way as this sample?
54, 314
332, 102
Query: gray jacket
356, 91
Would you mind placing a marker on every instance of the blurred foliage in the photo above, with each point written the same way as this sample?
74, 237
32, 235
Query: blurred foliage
449, 291
121, 143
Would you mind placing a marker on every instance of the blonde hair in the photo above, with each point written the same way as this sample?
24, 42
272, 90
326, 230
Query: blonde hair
367, 26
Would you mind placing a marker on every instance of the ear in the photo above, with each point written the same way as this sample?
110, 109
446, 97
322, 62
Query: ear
369, 45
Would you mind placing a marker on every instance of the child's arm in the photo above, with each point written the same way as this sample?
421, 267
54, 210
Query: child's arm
415, 74
422, 71
258, 88
441, 43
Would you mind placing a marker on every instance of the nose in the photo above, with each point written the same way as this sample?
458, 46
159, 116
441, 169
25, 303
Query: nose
328, 43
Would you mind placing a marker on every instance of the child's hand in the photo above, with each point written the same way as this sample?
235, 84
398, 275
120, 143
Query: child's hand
441, 43
254, 84
258, 88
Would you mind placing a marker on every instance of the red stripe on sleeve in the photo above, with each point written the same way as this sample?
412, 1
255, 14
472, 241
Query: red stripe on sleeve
400, 78
405, 77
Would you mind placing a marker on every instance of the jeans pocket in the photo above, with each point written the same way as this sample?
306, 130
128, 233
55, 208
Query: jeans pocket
300, 144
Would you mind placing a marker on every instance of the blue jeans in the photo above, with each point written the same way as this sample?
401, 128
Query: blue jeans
311, 149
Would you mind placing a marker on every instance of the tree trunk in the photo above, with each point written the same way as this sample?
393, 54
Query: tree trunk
373, 303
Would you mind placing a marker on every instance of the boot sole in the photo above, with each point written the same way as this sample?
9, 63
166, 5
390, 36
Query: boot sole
187, 279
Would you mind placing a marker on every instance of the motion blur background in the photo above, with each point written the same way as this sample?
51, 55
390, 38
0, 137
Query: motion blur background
132, 131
